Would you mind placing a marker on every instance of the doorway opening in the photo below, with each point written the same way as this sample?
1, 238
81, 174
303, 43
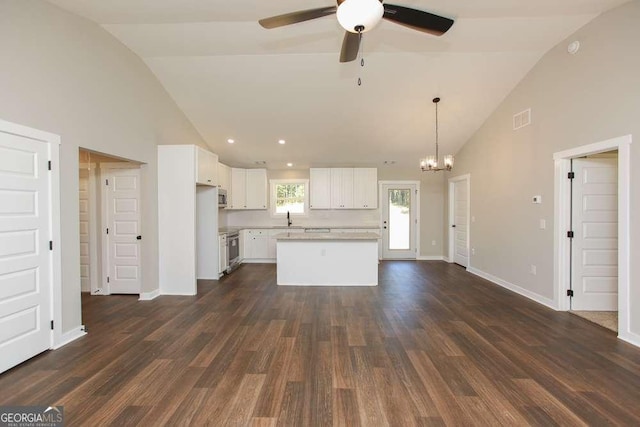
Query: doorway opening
399, 201
592, 192
109, 224
593, 247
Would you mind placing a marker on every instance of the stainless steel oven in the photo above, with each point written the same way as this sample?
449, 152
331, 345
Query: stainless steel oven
233, 250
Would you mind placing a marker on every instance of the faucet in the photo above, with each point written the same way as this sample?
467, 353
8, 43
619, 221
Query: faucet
289, 222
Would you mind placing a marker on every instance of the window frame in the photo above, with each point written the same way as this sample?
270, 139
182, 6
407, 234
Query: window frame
273, 183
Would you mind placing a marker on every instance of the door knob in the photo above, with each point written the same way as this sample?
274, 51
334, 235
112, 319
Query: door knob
453, 226
138, 237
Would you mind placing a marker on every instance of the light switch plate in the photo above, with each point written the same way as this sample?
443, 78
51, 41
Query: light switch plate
537, 199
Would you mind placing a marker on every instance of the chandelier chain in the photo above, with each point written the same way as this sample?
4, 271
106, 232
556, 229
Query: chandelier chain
437, 132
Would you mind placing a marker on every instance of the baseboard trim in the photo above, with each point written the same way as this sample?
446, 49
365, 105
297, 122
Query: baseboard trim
178, 294
514, 288
446, 259
148, 296
430, 258
70, 336
630, 337
259, 261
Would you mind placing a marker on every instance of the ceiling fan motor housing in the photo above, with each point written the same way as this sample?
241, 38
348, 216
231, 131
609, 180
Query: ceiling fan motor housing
358, 16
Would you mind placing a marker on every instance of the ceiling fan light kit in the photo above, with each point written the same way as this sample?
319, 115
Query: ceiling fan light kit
360, 16
430, 163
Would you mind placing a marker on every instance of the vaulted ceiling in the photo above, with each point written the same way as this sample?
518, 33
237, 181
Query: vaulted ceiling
235, 79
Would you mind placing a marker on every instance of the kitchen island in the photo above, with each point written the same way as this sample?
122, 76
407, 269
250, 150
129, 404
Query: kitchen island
327, 259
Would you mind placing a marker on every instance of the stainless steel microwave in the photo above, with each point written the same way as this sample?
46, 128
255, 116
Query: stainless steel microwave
222, 198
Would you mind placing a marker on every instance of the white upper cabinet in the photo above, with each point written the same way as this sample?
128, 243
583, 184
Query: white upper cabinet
248, 189
206, 167
320, 188
256, 189
224, 177
365, 188
238, 199
343, 188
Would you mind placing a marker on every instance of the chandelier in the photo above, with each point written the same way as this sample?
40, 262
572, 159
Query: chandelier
430, 163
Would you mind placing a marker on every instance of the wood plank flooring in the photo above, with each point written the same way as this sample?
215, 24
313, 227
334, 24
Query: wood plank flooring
431, 345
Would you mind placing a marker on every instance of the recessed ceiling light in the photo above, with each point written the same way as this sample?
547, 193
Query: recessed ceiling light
289, 164
573, 47
230, 141
282, 142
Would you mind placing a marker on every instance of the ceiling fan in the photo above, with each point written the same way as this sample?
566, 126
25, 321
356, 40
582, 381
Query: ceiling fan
360, 16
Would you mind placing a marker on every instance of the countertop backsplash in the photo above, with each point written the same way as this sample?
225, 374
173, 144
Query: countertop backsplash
367, 218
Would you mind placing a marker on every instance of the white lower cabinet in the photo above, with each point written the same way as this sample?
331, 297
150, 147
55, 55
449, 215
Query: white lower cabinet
256, 245
259, 245
224, 262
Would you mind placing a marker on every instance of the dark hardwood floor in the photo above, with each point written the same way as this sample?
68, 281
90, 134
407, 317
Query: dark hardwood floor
431, 345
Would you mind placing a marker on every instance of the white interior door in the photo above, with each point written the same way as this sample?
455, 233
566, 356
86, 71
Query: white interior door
460, 226
399, 221
25, 256
595, 240
122, 203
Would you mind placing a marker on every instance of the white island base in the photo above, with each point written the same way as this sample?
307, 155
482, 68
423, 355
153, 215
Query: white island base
327, 259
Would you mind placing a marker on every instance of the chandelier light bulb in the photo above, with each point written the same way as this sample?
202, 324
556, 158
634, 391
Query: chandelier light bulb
354, 14
448, 162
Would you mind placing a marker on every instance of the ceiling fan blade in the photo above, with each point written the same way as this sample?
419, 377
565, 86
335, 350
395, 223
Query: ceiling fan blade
350, 47
417, 19
295, 17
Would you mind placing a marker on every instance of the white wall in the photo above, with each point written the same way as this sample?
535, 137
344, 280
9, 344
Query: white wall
431, 212
64, 74
575, 100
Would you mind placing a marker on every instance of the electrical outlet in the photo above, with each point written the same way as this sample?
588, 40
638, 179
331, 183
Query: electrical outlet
534, 269
433, 243
473, 251
543, 224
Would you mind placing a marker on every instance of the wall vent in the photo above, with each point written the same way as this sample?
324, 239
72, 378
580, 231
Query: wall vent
522, 119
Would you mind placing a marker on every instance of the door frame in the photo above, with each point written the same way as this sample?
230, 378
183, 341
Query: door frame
57, 339
417, 207
93, 225
104, 217
451, 234
562, 208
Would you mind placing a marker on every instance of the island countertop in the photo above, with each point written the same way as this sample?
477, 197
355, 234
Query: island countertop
327, 236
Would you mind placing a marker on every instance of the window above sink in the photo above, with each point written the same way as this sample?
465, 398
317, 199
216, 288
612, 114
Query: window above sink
289, 196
